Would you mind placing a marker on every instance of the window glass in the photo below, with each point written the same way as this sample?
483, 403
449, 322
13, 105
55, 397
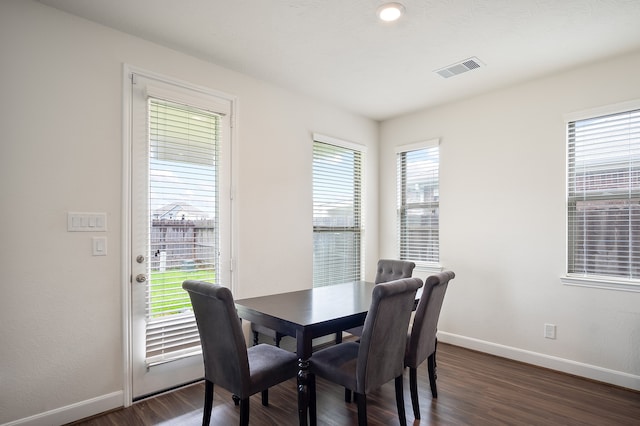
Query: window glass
337, 202
183, 240
419, 205
604, 196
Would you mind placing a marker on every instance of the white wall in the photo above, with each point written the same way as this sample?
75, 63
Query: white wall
503, 223
502, 209
61, 351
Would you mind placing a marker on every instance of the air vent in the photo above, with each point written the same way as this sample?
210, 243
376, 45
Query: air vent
459, 67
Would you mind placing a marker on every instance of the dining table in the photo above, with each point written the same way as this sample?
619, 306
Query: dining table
309, 314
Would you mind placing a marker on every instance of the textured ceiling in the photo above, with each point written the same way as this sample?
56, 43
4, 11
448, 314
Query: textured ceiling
337, 51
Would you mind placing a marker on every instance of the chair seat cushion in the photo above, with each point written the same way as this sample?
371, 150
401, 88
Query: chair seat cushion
337, 364
268, 366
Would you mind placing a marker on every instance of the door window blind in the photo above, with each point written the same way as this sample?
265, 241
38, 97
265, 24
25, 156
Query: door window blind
337, 214
419, 204
604, 196
183, 205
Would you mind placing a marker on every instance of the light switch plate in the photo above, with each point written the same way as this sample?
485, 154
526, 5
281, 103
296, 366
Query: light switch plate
86, 222
99, 246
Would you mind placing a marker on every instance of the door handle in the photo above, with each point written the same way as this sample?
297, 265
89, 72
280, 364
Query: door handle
141, 278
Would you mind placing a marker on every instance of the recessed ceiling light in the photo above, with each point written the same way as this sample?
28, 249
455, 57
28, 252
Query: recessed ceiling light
390, 12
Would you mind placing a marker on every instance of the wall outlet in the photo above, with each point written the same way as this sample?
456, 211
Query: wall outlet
550, 331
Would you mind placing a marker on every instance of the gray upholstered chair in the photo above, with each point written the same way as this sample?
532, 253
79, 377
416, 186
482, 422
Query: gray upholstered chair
379, 357
386, 270
422, 341
227, 361
391, 269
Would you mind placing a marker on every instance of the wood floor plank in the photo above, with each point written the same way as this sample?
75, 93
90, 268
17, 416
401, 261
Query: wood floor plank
473, 389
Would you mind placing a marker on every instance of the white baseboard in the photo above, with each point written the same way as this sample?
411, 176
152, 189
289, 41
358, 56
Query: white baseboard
73, 412
592, 372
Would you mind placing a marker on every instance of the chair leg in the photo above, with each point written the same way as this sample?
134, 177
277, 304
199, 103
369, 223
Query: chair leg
244, 412
362, 408
435, 364
236, 400
313, 416
278, 338
431, 368
413, 387
265, 397
255, 338
400, 401
347, 395
338, 337
208, 402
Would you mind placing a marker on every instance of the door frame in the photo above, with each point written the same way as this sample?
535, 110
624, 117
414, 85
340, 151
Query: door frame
126, 238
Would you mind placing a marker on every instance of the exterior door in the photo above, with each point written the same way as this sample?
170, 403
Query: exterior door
179, 216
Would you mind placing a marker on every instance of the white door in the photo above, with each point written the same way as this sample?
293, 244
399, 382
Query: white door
179, 223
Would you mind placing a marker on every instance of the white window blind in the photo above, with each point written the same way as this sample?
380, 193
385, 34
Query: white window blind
183, 204
604, 196
418, 191
337, 214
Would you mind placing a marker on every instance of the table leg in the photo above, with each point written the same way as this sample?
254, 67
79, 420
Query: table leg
303, 391
304, 349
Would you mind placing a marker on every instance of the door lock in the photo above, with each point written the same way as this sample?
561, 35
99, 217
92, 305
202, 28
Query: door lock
141, 278
140, 258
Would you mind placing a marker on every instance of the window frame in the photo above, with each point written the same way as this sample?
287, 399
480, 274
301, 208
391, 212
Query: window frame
592, 280
402, 205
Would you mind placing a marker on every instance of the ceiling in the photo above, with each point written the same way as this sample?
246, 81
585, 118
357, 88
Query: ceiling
339, 52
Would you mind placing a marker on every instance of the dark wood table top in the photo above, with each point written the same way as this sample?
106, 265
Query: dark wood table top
315, 312
318, 311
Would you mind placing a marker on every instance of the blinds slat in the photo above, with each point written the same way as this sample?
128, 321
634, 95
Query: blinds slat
184, 221
337, 215
418, 204
604, 195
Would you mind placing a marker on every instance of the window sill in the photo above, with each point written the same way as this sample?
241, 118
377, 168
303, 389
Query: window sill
602, 282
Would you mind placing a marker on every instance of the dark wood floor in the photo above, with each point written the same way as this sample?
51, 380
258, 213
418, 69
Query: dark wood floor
473, 389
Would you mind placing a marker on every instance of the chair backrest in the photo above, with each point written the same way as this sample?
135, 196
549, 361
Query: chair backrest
422, 339
384, 335
391, 269
223, 346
